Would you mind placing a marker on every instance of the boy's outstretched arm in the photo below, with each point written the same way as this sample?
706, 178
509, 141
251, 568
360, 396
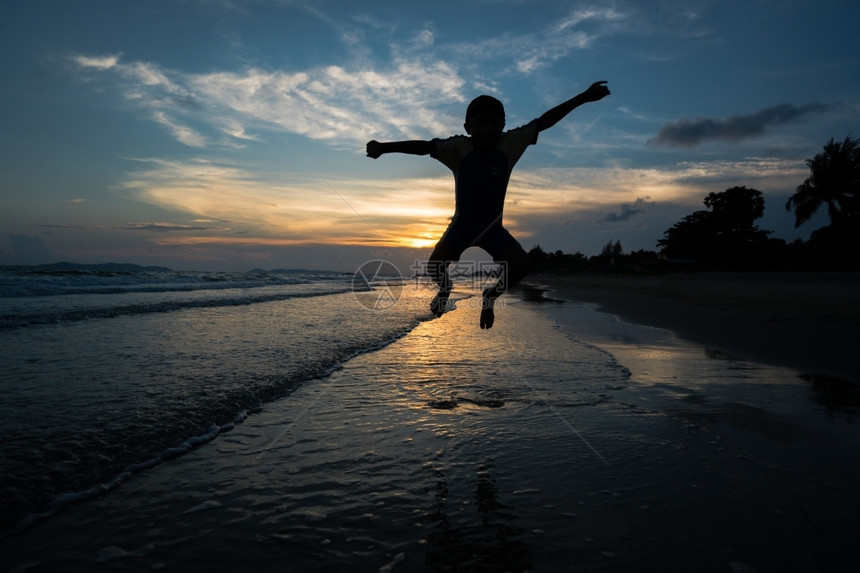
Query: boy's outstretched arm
415, 147
596, 91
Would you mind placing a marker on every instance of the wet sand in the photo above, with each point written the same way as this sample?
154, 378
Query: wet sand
764, 372
807, 321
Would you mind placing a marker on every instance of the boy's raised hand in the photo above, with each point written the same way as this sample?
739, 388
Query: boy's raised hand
374, 149
597, 91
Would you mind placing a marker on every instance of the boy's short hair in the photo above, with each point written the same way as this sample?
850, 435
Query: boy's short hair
484, 103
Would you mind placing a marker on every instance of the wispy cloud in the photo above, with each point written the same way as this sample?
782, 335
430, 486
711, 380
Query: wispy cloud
534, 51
735, 128
331, 103
345, 103
578, 31
166, 227
182, 133
601, 14
97, 62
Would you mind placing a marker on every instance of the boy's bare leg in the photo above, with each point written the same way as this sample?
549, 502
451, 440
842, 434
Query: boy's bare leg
516, 265
440, 303
437, 268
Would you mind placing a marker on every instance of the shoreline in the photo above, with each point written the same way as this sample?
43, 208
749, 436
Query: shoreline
805, 321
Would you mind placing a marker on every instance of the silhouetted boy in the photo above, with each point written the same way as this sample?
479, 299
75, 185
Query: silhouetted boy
482, 165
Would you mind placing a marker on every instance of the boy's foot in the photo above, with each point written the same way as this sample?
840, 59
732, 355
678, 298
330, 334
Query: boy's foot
488, 317
439, 304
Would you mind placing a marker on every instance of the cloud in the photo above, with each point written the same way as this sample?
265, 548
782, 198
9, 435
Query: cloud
182, 133
424, 39
293, 210
97, 62
57, 226
228, 204
490, 58
554, 49
565, 37
344, 104
164, 227
336, 104
583, 14
23, 250
735, 128
560, 193
628, 210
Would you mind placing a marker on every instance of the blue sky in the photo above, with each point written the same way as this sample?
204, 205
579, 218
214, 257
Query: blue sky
227, 135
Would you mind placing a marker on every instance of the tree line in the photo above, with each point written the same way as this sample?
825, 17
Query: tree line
725, 236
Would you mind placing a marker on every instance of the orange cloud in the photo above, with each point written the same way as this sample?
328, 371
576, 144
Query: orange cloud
409, 212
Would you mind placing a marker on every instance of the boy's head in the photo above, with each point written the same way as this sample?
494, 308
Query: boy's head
484, 103
485, 121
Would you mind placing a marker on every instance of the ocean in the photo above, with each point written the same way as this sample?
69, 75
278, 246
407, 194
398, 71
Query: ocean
106, 371
306, 421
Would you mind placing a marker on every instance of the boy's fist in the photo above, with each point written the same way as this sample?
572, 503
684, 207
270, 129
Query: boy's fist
597, 91
374, 149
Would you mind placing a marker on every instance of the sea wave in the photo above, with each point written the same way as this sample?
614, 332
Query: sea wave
35, 282
35, 295
57, 315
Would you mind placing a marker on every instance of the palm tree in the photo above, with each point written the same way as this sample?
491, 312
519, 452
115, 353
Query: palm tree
835, 181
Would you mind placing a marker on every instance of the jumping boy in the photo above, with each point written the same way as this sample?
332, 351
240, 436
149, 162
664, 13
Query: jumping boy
482, 165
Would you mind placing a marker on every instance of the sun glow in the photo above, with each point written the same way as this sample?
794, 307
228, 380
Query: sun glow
247, 210
421, 242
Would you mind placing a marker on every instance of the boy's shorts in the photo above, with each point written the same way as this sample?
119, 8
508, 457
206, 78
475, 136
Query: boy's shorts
459, 237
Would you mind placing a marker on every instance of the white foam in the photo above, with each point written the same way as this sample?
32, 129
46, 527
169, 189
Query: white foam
208, 504
399, 558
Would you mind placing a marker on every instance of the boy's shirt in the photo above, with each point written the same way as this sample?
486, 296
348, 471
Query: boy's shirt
481, 177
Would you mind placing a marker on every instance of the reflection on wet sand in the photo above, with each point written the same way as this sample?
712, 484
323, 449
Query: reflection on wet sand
838, 397
487, 540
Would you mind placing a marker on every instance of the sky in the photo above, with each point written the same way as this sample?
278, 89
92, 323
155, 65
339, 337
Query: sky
228, 135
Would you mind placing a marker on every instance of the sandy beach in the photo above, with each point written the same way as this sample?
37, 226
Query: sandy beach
808, 321
564, 439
